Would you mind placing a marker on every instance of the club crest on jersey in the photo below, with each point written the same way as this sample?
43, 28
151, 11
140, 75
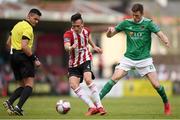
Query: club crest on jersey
88, 67
131, 33
76, 41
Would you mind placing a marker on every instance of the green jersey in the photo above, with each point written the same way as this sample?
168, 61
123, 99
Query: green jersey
138, 37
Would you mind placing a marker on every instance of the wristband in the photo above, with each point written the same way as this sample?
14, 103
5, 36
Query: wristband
33, 58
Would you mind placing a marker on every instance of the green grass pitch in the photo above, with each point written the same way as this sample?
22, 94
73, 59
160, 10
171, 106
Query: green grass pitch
117, 108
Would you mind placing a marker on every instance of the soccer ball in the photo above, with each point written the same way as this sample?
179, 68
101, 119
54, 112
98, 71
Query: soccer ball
63, 106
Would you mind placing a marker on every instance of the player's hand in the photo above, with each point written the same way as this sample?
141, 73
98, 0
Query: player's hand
37, 63
110, 32
98, 49
110, 29
74, 46
167, 44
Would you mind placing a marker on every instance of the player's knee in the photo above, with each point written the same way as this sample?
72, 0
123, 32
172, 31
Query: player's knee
73, 85
118, 74
156, 85
115, 78
29, 84
88, 81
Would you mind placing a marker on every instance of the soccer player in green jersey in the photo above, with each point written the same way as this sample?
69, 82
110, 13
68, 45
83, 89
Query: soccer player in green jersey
138, 31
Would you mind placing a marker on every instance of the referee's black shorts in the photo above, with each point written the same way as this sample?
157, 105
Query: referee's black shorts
21, 65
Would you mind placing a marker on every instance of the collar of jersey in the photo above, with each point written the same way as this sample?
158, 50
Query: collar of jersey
28, 22
78, 33
140, 21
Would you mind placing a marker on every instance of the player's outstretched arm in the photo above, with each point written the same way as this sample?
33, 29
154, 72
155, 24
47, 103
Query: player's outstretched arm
111, 32
95, 48
29, 53
163, 38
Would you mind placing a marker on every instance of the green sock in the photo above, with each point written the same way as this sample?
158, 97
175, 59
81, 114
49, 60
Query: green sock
107, 87
162, 93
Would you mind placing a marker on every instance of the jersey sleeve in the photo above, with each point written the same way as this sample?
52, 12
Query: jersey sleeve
88, 30
67, 37
27, 33
120, 27
153, 27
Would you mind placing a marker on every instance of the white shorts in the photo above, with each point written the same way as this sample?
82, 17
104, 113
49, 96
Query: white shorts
142, 66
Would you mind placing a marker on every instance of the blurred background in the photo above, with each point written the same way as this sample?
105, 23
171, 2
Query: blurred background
51, 78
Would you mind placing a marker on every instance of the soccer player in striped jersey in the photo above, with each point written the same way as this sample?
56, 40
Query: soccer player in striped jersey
76, 42
138, 31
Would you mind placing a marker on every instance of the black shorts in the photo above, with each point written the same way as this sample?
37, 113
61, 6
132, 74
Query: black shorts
22, 66
79, 70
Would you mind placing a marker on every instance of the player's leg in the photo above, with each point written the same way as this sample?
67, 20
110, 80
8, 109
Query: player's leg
94, 92
75, 78
74, 84
28, 73
88, 77
152, 76
8, 104
16, 94
146, 68
25, 94
120, 71
117, 75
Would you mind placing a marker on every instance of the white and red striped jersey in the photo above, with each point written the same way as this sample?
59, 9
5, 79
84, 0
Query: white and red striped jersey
81, 53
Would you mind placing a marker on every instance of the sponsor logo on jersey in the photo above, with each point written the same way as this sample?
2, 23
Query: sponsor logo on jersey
151, 67
66, 39
88, 67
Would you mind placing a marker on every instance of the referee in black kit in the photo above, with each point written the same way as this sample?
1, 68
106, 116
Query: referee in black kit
23, 61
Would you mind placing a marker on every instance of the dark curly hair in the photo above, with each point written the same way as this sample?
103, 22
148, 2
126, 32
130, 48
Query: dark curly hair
75, 17
35, 11
137, 7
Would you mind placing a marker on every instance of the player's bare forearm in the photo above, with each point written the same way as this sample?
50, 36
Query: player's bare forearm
31, 56
111, 32
27, 51
8, 43
95, 48
91, 42
163, 38
68, 47
25, 48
